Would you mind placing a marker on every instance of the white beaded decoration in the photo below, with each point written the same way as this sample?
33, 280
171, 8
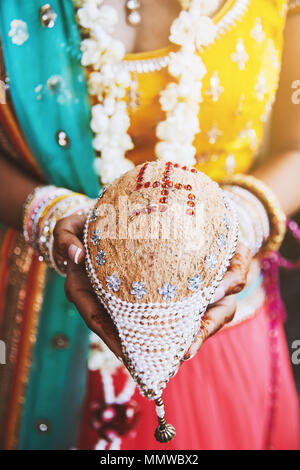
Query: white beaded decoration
155, 336
170, 327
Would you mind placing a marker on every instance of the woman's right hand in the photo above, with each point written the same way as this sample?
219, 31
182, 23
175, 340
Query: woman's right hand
68, 234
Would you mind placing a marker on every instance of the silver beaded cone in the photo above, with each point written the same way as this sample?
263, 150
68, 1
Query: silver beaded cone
158, 242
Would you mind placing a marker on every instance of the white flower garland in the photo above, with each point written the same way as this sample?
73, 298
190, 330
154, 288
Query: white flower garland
192, 30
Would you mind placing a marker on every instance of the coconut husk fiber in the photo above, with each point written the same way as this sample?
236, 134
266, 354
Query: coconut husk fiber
159, 224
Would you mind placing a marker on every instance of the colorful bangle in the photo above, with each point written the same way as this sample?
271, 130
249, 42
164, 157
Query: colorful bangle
31, 204
257, 206
32, 216
248, 231
43, 208
271, 204
57, 212
255, 211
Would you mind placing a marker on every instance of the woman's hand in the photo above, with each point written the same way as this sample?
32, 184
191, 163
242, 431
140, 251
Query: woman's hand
68, 246
223, 309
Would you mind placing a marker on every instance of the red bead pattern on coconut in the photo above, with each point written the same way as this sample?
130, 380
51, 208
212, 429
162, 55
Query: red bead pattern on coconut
140, 178
191, 197
166, 184
136, 317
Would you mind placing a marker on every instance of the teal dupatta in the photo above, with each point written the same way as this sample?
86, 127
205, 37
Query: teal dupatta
49, 94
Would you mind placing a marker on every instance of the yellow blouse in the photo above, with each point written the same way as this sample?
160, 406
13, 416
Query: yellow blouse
243, 66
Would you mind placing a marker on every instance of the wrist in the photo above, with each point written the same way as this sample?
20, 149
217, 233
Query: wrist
42, 210
253, 221
254, 197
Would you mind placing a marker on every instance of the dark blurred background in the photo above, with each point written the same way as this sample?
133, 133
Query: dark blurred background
290, 290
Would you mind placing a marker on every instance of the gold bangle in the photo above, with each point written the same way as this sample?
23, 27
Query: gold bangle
64, 205
53, 203
49, 207
270, 202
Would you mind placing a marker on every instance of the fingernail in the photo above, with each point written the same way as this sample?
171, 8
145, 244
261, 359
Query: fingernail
175, 372
74, 253
191, 357
193, 350
219, 294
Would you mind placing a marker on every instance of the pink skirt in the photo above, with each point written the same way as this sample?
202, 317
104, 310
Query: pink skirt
238, 392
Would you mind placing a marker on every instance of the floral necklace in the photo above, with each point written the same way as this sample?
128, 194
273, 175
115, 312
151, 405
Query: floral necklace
192, 30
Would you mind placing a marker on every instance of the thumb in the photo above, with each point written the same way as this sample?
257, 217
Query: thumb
213, 320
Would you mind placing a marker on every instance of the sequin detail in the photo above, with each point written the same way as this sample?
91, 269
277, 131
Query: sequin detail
100, 258
194, 282
96, 237
167, 291
211, 260
138, 290
113, 282
221, 242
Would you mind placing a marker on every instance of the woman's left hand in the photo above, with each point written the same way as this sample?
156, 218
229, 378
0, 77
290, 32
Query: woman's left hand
67, 245
223, 309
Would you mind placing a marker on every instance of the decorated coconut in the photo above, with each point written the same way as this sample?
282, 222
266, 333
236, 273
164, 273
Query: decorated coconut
158, 242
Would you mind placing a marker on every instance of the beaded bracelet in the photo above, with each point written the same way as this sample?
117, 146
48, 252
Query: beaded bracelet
254, 204
56, 211
34, 207
251, 230
30, 206
265, 195
259, 222
42, 209
62, 209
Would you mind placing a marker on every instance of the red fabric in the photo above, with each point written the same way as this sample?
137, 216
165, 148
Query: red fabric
222, 398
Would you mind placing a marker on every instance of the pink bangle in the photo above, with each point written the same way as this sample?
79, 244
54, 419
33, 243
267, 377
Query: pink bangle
43, 207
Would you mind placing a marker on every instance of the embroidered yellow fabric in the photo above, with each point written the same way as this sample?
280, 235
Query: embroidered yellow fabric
243, 66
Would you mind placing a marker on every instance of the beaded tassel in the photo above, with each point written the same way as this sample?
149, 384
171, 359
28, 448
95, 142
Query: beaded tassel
164, 432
